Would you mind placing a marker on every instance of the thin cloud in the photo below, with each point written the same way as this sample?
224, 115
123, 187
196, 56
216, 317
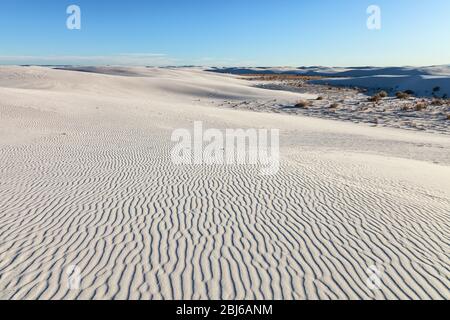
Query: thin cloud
125, 59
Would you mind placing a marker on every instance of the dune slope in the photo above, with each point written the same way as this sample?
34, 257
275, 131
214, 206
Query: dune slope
87, 185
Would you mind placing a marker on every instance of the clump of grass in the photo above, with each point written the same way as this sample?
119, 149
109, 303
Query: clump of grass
402, 95
375, 98
421, 106
378, 97
334, 105
404, 108
304, 104
383, 94
437, 102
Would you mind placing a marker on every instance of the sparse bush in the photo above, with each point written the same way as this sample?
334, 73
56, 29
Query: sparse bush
375, 98
421, 106
437, 102
402, 95
383, 94
380, 95
303, 104
404, 108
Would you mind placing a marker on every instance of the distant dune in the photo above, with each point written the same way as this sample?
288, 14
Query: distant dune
424, 81
421, 85
88, 187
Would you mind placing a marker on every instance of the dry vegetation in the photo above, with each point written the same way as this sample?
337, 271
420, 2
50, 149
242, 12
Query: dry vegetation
303, 104
383, 94
378, 97
387, 108
334, 105
402, 95
374, 98
279, 77
437, 102
421, 106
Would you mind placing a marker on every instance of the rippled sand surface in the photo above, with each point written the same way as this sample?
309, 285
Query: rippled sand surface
87, 186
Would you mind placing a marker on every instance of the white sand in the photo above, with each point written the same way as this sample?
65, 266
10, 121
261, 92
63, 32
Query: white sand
86, 180
424, 81
422, 85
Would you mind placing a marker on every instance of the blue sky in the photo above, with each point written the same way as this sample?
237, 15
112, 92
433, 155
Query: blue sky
225, 33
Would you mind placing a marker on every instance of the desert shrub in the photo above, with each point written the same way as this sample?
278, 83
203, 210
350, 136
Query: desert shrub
404, 108
437, 102
383, 94
374, 98
402, 95
379, 96
302, 104
421, 106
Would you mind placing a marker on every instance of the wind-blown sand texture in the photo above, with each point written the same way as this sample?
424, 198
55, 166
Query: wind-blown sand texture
86, 179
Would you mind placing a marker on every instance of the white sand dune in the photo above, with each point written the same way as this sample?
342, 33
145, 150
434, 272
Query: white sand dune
421, 85
424, 81
442, 70
86, 180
